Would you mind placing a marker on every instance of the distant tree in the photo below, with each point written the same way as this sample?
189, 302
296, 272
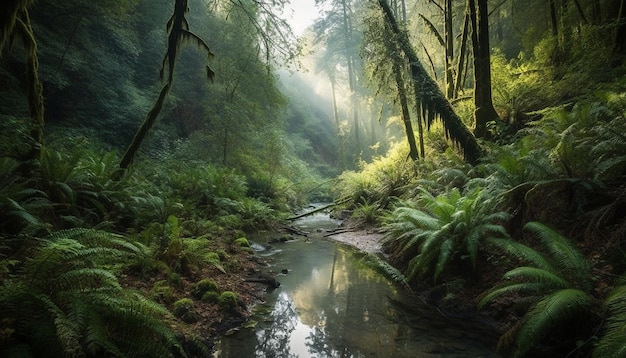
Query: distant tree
336, 28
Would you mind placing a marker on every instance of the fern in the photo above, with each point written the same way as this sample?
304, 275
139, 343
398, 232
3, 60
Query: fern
612, 342
558, 283
66, 301
565, 255
556, 309
449, 228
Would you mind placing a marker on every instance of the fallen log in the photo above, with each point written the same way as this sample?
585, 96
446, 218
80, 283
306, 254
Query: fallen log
311, 212
338, 202
339, 231
295, 231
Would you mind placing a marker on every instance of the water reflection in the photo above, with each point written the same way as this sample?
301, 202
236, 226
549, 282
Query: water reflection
331, 306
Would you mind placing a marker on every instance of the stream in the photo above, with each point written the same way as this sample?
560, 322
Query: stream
331, 305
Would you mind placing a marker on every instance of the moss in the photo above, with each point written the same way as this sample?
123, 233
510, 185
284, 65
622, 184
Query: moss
203, 286
211, 297
212, 257
242, 242
174, 279
222, 254
184, 309
162, 292
228, 300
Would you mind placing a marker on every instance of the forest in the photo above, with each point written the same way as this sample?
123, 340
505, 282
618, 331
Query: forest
143, 143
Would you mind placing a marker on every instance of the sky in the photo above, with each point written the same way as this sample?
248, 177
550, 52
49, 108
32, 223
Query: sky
304, 13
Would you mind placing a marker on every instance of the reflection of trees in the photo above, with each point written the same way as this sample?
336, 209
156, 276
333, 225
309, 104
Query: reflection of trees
274, 340
345, 311
350, 305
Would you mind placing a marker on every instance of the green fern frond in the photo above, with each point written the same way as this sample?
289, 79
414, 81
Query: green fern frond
612, 342
446, 250
508, 288
564, 253
555, 309
533, 274
86, 279
522, 252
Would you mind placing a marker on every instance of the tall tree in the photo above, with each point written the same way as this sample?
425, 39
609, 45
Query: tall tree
428, 96
449, 40
387, 65
461, 63
178, 33
484, 111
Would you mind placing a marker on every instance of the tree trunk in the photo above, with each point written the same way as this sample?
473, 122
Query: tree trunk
404, 105
460, 68
178, 34
554, 24
449, 41
147, 124
351, 79
484, 112
340, 144
429, 96
24, 29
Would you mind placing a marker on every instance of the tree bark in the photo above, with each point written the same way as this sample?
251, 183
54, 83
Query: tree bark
484, 112
24, 29
147, 124
351, 78
449, 41
460, 69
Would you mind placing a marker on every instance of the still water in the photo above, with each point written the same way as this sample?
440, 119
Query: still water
331, 305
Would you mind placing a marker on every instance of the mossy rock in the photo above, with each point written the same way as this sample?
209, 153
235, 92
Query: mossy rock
211, 297
184, 309
203, 286
228, 300
162, 292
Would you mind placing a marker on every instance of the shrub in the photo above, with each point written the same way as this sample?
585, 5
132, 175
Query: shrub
65, 301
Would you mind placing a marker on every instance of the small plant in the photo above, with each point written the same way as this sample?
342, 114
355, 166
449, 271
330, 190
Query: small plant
612, 342
243, 242
367, 213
